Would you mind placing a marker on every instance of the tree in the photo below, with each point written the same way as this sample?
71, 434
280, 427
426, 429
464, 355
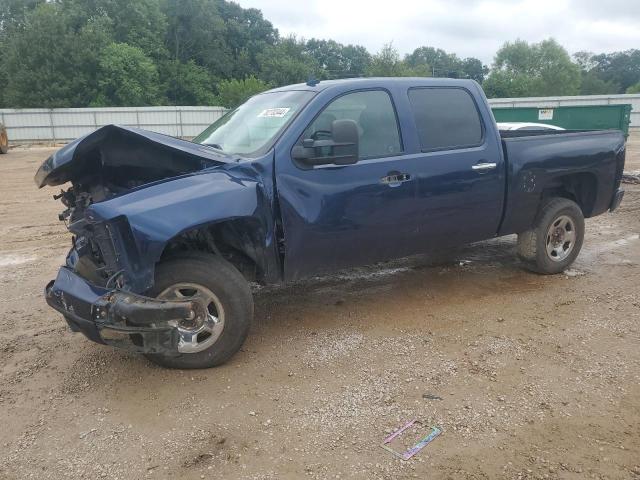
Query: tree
197, 32
592, 84
287, 62
584, 60
439, 63
139, 23
64, 53
634, 88
49, 63
387, 63
540, 69
232, 93
247, 35
336, 60
436, 60
127, 77
13, 13
187, 83
620, 69
355, 60
474, 69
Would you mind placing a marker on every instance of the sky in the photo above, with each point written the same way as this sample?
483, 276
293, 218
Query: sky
470, 28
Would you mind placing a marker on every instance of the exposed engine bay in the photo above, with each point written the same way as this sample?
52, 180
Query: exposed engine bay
78, 197
107, 163
124, 157
115, 159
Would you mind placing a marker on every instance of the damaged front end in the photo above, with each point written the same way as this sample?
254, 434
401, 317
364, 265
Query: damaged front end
118, 174
122, 319
109, 163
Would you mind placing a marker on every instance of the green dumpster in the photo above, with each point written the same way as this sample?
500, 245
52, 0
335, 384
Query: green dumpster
580, 117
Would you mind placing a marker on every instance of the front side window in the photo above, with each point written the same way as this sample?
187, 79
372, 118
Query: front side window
446, 118
254, 125
375, 117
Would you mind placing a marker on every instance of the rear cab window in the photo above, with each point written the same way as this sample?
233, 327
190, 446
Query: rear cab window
446, 118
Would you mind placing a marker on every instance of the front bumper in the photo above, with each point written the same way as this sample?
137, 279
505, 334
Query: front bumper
115, 317
617, 199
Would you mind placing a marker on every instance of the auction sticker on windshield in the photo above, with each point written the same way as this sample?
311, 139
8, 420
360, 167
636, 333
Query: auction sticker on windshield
274, 112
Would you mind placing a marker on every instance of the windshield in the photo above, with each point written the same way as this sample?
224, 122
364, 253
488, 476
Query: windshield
253, 125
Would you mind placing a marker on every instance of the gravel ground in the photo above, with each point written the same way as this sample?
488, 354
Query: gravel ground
529, 377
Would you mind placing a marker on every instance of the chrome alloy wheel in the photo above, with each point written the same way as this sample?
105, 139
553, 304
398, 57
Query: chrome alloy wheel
202, 331
561, 238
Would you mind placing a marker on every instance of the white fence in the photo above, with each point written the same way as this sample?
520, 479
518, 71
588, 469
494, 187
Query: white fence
548, 102
64, 124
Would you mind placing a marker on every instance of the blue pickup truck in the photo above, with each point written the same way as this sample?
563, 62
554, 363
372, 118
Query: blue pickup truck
301, 181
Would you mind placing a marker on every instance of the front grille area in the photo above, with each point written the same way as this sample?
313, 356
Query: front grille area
103, 239
109, 250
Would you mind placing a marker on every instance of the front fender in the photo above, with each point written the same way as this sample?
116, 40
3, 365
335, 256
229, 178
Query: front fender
142, 222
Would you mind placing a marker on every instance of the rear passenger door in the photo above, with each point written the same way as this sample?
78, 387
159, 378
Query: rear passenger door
461, 178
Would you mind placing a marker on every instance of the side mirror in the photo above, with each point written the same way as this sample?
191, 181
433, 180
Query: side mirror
341, 149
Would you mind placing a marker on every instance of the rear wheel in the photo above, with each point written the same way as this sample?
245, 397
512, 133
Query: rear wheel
225, 298
4, 140
556, 238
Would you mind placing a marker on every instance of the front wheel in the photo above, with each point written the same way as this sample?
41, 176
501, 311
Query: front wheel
224, 296
555, 239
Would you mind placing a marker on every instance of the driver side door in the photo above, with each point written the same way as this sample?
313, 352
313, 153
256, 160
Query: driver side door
339, 216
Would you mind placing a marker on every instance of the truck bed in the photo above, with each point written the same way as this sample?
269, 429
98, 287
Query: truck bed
537, 133
539, 162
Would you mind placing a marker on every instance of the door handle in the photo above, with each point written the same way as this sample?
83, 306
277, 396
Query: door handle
483, 167
394, 179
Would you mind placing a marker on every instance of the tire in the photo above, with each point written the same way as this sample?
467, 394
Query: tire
4, 140
232, 297
545, 248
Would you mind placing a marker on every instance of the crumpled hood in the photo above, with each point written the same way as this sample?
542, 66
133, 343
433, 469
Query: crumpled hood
115, 146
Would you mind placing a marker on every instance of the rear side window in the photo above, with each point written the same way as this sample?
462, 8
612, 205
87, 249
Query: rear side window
446, 118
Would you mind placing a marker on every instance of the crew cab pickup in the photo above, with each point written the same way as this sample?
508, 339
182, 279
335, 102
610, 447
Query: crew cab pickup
301, 181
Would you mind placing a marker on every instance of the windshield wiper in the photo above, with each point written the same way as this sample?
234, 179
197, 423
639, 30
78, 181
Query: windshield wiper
213, 145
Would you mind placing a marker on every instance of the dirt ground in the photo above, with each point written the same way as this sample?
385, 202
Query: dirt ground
528, 376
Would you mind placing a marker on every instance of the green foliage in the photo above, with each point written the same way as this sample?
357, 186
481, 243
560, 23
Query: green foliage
592, 84
618, 71
232, 93
474, 69
247, 35
51, 64
287, 62
335, 60
187, 83
539, 69
76, 53
196, 31
13, 13
387, 63
634, 88
139, 23
127, 77
436, 62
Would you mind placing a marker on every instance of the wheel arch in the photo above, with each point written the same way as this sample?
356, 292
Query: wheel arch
240, 241
581, 188
231, 208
